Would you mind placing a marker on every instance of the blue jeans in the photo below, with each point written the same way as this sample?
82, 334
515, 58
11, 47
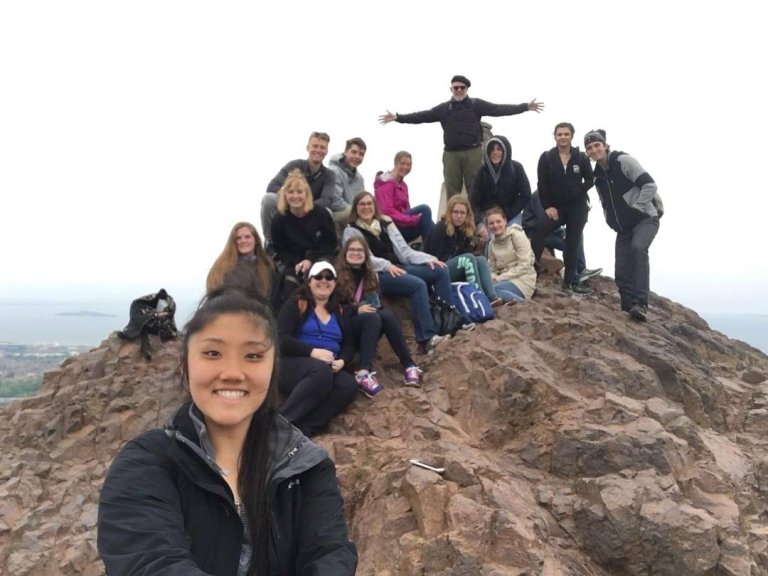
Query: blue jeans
423, 228
507, 290
417, 290
457, 267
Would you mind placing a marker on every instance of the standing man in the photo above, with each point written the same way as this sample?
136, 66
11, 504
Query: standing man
349, 181
321, 181
632, 207
565, 176
462, 131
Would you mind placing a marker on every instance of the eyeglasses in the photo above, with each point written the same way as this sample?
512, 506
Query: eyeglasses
328, 277
458, 88
357, 250
365, 203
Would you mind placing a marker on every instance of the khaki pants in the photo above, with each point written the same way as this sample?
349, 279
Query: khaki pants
460, 168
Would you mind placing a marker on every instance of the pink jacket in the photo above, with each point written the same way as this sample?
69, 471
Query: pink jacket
392, 198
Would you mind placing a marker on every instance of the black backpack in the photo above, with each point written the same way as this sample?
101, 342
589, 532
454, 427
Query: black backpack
151, 314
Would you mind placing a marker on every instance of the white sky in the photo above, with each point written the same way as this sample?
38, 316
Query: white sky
134, 134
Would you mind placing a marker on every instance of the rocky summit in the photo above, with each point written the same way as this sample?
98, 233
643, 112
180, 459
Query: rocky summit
573, 441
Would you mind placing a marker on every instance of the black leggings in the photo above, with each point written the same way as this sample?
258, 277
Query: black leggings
368, 329
313, 393
574, 217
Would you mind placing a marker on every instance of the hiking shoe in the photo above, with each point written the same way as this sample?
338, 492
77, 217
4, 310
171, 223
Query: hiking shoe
368, 383
413, 376
576, 288
497, 302
468, 326
639, 312
586, 274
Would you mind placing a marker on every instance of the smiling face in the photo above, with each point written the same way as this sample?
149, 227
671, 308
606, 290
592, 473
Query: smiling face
366, 209
496, 223
321, 285
459, 91
229, 367
317, 149
563, 137
597, 151
296, 198
354, 156
355, 254
403, 167
245, 240
459, 214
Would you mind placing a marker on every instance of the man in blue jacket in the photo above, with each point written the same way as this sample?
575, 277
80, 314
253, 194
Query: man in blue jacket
462, 132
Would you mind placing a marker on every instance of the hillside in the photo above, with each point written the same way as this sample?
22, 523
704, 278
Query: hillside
574, 441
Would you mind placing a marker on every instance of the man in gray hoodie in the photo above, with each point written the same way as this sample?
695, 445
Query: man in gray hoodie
349, 180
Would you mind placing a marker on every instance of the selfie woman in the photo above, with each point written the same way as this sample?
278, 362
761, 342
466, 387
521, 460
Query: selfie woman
228, 486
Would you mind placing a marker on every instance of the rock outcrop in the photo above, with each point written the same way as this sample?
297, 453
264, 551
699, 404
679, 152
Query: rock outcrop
574, 441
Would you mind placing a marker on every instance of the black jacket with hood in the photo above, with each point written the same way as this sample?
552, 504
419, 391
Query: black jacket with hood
558, 187
166, 509
506, 186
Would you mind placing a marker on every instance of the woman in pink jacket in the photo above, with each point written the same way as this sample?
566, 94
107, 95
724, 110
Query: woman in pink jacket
392, 197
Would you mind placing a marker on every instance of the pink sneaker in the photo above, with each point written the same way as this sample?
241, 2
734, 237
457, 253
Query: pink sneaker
368, 383
413, 376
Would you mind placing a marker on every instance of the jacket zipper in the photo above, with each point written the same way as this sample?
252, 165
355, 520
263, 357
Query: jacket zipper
613, 205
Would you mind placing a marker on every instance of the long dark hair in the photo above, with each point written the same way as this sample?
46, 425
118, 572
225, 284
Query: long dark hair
346, 285
303, 292
253, 469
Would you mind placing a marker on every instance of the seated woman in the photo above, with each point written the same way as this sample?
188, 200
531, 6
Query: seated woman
392, 196
358, 288
244, 264
510, 258
500, 182
452, 241
301, 233
402, 271
316, 343
215, 491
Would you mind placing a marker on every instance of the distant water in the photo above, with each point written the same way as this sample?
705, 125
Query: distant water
751, 328
64, 322
68, 323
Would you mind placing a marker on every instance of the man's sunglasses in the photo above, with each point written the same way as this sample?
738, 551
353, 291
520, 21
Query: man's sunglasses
459, 88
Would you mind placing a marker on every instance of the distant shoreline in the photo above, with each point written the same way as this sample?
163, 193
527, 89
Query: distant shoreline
87, 313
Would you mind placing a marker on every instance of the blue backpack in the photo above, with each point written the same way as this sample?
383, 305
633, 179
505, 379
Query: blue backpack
472, 302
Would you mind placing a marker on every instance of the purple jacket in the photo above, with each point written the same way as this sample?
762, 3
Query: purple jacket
392, 198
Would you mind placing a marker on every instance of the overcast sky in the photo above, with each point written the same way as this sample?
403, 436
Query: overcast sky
133, 135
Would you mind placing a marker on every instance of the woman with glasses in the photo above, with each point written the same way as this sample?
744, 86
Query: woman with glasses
301, 232
316, 345
402, 270
453, 242
358, 287
392, 196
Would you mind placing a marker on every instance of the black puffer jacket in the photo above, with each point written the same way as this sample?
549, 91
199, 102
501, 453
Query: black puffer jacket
506, 187
165, 508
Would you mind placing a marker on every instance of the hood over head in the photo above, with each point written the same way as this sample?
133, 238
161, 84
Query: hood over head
506, 156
